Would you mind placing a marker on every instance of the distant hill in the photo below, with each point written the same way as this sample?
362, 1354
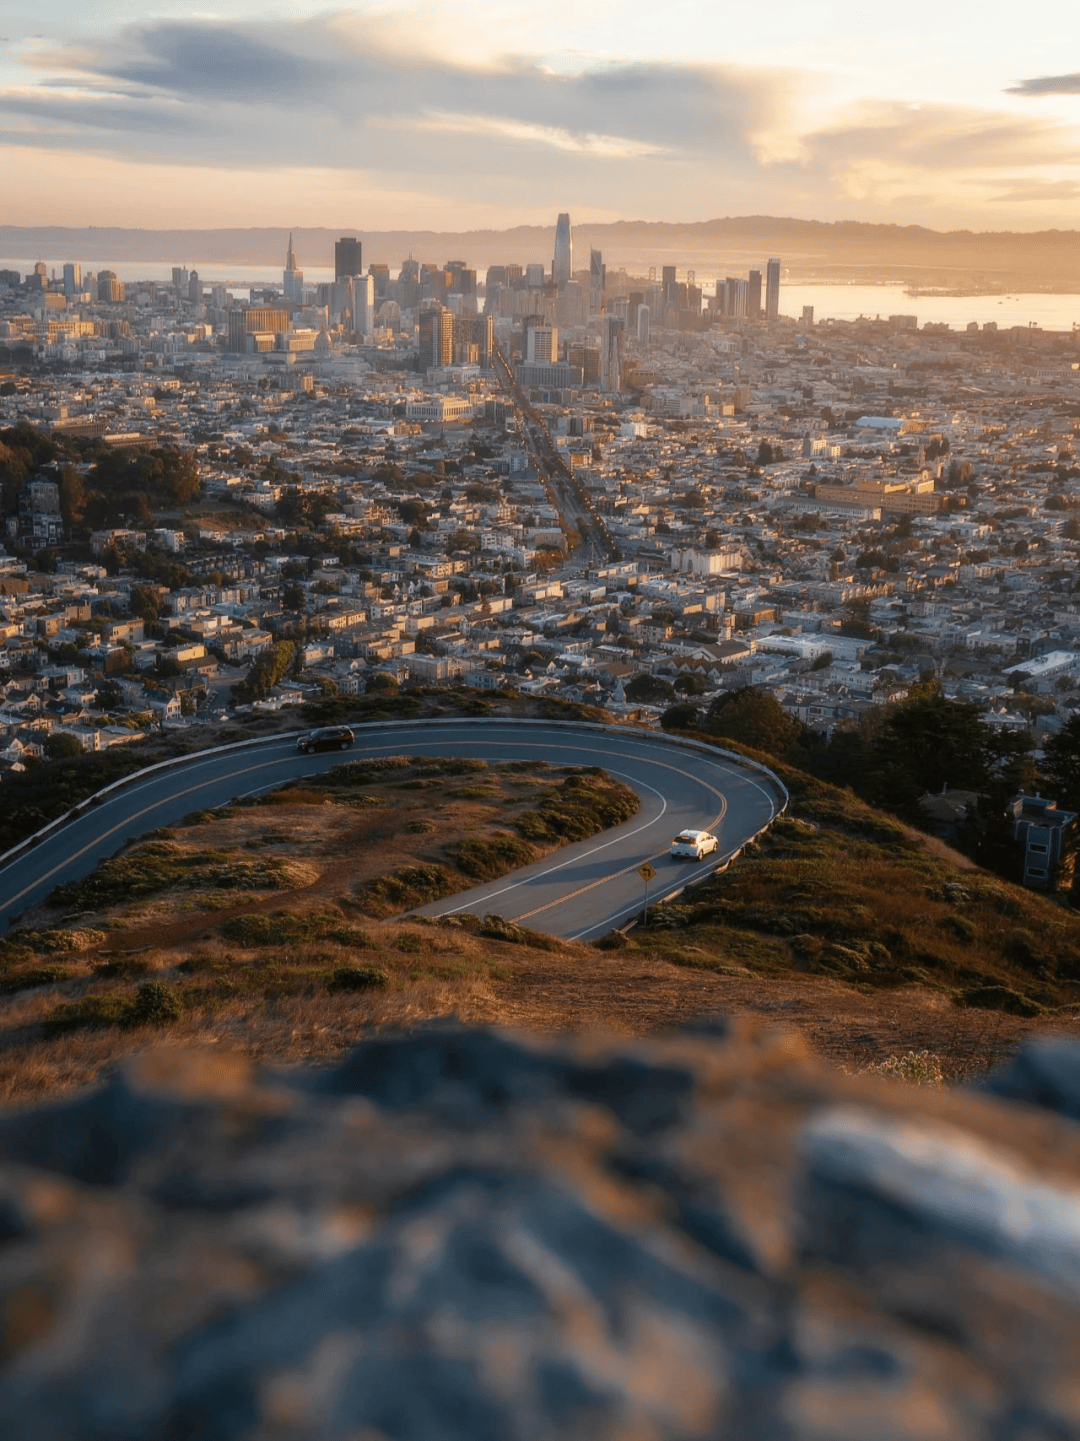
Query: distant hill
1047, 259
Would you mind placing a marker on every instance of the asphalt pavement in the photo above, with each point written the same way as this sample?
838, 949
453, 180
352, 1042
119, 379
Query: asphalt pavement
579, 892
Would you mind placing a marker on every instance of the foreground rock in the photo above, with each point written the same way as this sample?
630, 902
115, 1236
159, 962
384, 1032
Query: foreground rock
466, 1235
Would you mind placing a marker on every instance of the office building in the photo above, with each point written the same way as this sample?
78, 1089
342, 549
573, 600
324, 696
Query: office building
597, 278
541, 344
474, 339
380, 273
732, 297
361, 302
251, 321
462, 280
643, 327
180, 279
753, 296
562, 266
72, 280
772, 290
611, 329
109, 288
436, 337
293, 277
347, 257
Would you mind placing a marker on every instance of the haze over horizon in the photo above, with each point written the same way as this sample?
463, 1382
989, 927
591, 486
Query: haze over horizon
401, 115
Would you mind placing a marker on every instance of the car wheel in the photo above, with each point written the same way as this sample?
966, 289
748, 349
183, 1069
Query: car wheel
344, 745
309, 750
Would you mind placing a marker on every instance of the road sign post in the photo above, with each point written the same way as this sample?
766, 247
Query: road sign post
646, 872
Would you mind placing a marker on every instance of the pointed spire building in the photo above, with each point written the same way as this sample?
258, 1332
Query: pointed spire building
293, 277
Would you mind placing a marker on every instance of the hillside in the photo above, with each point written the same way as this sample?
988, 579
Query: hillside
267, 927
1036, 260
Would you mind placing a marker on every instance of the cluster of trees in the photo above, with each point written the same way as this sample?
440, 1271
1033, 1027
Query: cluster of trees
264, 672
120, 487
900, 753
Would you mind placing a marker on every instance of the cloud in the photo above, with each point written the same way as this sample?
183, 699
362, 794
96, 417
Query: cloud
1022, 191
1048, 85
266, 95
686, 140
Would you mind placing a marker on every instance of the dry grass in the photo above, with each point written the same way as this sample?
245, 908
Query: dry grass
843, 926
437, 972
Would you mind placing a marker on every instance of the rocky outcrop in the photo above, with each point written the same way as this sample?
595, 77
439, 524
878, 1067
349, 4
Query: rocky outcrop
461, 1234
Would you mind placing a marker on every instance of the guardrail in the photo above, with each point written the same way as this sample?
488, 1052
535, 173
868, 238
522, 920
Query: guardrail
78, 810
177, 762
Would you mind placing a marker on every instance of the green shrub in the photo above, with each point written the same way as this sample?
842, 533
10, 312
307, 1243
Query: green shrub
1000, 998
89, 1013
613, 941
411, 886
283, 929
37, 976
156, 1003
351, 936
586, 802
358, 978
124, 968
486, 860
958, 926
496, 928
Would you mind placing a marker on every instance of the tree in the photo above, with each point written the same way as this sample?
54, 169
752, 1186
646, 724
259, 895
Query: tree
264, 672
1061, 765
649, 689
754, 718
61, 747
72, 495
681, 717
109, 696
928, 743
293, 597
145, 603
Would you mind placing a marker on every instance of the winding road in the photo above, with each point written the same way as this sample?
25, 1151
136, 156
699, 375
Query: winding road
579, 892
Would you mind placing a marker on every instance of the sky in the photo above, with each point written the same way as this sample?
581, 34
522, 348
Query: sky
410, 114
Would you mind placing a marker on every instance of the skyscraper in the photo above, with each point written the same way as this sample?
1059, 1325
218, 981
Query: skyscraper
293, 277
72, 279
753, 296
541, 344
436, 337
611, 330
362, 303
347, 259
562, 266
596, 282
772, 290
643, 327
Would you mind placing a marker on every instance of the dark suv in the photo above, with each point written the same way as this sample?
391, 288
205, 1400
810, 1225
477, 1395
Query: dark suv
326, 738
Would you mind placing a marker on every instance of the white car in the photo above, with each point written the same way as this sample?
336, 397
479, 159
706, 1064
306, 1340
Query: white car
694, 845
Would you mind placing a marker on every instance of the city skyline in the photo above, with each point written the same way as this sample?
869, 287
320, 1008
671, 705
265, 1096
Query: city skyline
235, 116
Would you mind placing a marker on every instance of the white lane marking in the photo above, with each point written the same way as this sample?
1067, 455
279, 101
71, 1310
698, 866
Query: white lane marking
104, 835
629, 750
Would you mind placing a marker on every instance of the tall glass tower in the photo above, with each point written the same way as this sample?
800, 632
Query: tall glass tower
772, 290
562, 266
